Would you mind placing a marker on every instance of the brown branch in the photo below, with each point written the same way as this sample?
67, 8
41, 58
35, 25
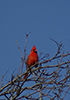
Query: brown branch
44, 76
19, 49
2, 78
24, 51
66, 92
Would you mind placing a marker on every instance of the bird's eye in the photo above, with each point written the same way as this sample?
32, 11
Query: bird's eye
34, 50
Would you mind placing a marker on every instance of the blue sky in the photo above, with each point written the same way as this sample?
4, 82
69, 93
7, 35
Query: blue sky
45, 18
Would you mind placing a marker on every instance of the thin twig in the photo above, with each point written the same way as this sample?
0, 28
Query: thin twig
19, 49
2, 78
24, 51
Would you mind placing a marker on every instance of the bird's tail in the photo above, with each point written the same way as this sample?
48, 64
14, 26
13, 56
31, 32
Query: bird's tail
25, 76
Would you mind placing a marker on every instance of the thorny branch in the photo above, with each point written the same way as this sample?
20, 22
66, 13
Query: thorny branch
48, 80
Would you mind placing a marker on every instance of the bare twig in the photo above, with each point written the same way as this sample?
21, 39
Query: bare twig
48, 80
24, 51
2, 78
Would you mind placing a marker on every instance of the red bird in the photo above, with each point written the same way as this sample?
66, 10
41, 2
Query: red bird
31, 59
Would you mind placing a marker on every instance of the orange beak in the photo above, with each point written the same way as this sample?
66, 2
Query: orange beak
35, 49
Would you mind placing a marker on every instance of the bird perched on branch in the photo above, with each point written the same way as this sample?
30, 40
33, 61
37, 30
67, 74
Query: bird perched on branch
31, 59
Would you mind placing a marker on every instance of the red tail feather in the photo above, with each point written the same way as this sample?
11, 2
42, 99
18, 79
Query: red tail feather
25, 76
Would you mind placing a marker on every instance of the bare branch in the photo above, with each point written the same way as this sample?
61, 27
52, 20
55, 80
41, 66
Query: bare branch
46, 81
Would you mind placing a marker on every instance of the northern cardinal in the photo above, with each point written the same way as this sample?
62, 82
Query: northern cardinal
31, 59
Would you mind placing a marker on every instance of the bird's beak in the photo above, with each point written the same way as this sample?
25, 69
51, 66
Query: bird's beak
36, 50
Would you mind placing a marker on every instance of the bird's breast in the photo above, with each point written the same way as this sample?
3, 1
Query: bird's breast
31, 60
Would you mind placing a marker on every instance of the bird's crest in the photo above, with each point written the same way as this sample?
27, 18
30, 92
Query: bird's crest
33, 48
